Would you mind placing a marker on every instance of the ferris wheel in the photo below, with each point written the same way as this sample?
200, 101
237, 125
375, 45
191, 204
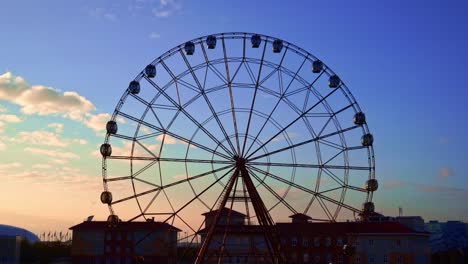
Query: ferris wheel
242, 121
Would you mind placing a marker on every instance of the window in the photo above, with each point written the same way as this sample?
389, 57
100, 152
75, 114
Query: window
294, 242
108, 236
316, 241
317, 259
398, 243
328, 241
339, 241
329, 257
305, 242
108, 248
399, 260
358, 259
129, 236
371, 242
340, 259
119, 237
371, 260
385, 259
306, 257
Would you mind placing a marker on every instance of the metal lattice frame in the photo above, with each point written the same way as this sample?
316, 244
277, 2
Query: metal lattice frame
241, 159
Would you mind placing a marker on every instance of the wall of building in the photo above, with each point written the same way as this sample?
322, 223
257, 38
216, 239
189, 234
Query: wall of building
10, 249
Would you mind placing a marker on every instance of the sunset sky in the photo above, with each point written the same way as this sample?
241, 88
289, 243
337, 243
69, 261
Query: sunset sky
65, 64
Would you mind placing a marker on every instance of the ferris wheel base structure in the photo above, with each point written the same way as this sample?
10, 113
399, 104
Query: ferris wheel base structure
237, 122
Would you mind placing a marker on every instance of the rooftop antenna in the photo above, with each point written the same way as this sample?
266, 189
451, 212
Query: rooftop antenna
400, 211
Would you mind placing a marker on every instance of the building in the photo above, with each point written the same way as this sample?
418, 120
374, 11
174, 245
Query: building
119, 243
448, 241
379, 240
375, 242
243, 243
10, 249
10, 243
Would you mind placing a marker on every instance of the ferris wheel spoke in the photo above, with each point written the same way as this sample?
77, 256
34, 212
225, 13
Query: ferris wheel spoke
249, 71
271, 114
200, 193
176, 136
151, 202
277, 196
332, 116
297, 144
231, 98
302, 188
325, 209
355, 188
314, 166
276, 69
149, 165
118, 178
171, 159
327, 171
145, 148
254, 97
332, 189
188, 116
146, 182
294, 121
210, 106
159, 188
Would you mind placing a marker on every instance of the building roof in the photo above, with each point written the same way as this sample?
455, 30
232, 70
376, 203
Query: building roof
7, 230
224, 212
300, 216
125, 226
346, 228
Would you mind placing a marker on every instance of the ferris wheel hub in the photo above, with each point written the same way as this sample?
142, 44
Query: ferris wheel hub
240, 162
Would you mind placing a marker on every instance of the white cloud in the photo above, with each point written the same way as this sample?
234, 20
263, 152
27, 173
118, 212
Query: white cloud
96, 122
57, 127
2, 127
42, 100
2, 145
126, 150
154, 35
80, 141
179, 177
42, 166
10, 118
446, 172
3, 109
45, 138
282, 137
103, 13
52, 153
58, 161
166, 8
161, 13
8, 166
167, 139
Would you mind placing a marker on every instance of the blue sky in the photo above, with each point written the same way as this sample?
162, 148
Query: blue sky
405, 62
